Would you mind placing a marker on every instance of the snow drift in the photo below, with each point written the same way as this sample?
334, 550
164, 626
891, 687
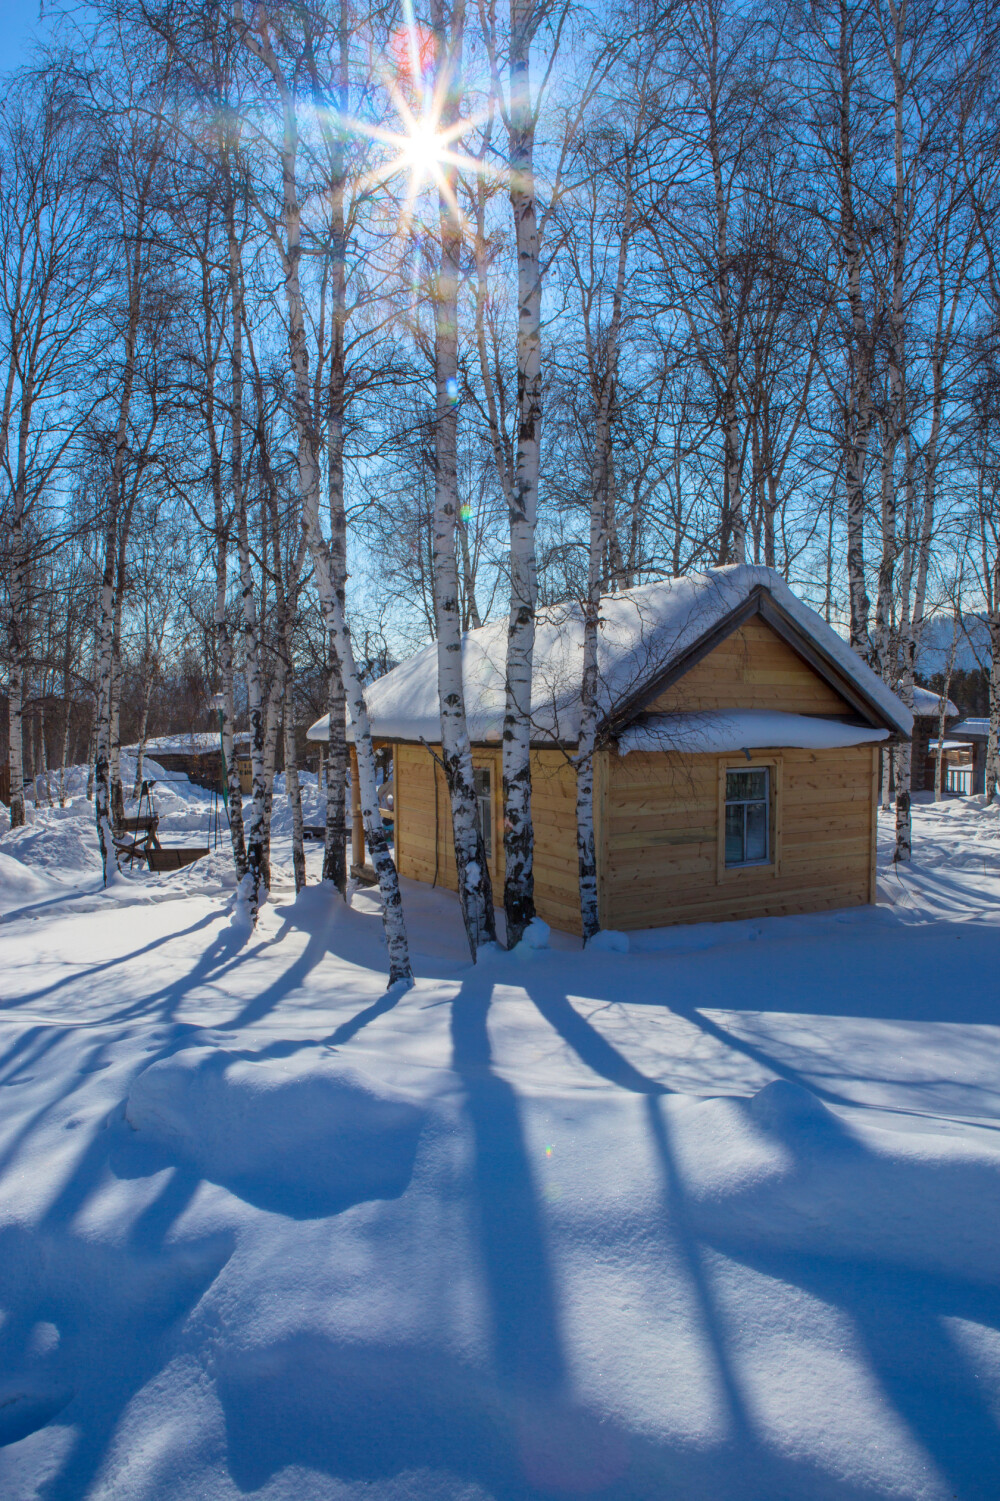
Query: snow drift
300, 1135
782, 1170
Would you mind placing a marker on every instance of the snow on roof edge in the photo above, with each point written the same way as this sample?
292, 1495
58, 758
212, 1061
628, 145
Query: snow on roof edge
719, 731
643, 632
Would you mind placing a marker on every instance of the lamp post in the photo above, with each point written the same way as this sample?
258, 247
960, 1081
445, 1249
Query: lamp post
218, 702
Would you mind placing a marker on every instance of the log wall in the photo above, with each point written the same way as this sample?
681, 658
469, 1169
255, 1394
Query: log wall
424, 848
663, 854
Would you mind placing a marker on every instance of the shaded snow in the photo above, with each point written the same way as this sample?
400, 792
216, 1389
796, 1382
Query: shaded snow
713, 1218
303, 1134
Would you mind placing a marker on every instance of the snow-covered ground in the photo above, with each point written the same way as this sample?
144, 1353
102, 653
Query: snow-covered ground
718, 1217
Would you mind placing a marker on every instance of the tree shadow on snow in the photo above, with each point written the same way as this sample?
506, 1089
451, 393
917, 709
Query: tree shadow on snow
89, 1324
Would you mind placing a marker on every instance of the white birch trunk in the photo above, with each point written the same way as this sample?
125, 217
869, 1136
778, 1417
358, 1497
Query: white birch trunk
519, 838
272, 723
254, 882
64, 750
309, 481
223, 638
102, 758
140, 755
335, 862
857, 416
602, 386
474, 889
43, 756
115, 766
18, 650
292, 787
18, 814
993, 737
943, 714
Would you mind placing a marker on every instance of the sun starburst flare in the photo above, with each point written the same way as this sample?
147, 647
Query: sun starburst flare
421, 148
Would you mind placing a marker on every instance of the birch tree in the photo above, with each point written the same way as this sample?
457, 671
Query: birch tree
260, 38
50, 278
474, 888
520, 106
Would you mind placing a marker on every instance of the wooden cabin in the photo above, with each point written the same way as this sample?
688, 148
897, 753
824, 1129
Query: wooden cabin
198, 756
927, 707
736, 773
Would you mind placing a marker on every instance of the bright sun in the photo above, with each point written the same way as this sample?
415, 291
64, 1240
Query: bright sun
422, 149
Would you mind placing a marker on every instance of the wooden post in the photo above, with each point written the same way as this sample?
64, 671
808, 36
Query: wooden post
319, 769
357, 822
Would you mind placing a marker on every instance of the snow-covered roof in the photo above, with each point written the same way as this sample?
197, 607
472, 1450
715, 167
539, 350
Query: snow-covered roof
726, 730
975, 729
194, 744
643, 633
926, 702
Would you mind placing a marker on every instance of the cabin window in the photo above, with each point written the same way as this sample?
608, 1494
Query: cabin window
748, 816
484, 807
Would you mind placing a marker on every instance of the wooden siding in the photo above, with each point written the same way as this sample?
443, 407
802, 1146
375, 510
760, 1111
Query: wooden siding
421, 854
752, 669
662, 818
658, 817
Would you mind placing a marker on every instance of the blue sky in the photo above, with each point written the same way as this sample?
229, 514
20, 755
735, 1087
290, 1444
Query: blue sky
18, 23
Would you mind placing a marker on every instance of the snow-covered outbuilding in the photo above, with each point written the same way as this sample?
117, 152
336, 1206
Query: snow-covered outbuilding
927, 707
736, 772
197, 755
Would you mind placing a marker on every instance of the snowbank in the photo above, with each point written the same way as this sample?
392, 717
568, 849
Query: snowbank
195, 743
19, 884
782, 1170
303, 1135
609, 941
733, 729
58, 842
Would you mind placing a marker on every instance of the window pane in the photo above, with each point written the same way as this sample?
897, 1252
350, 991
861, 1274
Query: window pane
484, 807
734, 836
756, 831
746, 786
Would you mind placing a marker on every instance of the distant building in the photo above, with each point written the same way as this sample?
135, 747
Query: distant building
927, 727
198, 756
971, 735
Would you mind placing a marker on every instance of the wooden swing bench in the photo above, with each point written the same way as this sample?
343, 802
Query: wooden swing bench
139, 840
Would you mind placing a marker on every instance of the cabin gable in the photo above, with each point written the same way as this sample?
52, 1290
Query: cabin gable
752, 668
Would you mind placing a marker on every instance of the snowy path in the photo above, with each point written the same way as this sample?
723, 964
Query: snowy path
564, 1254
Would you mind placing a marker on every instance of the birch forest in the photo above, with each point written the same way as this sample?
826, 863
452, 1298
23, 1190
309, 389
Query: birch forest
331, 329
